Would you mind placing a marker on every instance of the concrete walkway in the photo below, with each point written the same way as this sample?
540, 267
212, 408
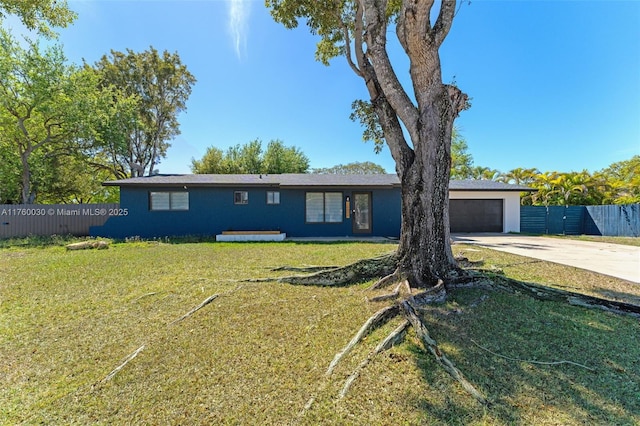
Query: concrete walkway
610, 259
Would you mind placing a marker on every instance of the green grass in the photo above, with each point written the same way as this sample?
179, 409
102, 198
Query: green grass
258, 352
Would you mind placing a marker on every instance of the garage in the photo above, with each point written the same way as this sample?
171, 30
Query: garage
476, 215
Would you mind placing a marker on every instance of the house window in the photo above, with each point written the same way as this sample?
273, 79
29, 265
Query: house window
273, 197
323, 207
240, 197
169, 200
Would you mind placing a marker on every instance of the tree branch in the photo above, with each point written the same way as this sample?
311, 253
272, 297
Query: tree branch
376, 40
443, 23
347, 40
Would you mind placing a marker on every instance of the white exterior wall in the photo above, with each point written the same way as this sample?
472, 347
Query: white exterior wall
511, 205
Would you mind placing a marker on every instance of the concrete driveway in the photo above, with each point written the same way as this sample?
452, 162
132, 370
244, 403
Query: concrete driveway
610, 259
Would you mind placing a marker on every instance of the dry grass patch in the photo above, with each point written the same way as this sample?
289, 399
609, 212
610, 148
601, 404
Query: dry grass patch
259, 351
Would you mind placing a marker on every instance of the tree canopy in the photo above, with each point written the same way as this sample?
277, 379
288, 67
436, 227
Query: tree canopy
461, 159
162, 85
39, 15
43, 105
355, 168
250, 158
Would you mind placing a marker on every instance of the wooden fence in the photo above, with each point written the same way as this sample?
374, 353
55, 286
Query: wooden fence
612, 220
21, 220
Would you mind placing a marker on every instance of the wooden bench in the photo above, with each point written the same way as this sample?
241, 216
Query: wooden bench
251, 236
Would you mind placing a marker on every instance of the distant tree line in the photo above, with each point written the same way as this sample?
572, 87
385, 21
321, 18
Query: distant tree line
251, 158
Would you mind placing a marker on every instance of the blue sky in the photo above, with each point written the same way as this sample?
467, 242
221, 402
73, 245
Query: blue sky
555, 84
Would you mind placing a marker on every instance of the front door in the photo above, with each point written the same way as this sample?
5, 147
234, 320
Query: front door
361, 221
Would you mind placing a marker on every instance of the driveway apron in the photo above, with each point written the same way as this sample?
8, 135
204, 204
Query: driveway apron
616, 260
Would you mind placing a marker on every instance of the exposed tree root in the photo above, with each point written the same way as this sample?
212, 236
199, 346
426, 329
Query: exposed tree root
394, 294
153, 293
359, 271
576, 299
121, 366
204, 303
464, 262
472, 276
392, 339
436, 294
304, 268
376, 320
388, 280
406, 307
432, 346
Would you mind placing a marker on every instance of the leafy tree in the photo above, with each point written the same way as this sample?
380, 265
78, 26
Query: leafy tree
211, 162
356, 168
416, 123
161, 84
520, 176
484, 173
72, 180
358, 30
250, 158
43, 105
9, 173
461, 160
623, 181
281, 159
39, 15
555, 188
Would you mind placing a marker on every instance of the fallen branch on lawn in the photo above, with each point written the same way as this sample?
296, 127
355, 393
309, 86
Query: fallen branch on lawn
204, 303
84, 245
121, 366
531, 361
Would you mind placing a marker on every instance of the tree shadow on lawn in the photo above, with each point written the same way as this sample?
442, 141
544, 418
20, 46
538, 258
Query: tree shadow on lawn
618, 295
479, 331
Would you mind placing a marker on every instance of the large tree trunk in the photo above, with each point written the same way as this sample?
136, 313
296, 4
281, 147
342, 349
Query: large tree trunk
424, 167
425, 252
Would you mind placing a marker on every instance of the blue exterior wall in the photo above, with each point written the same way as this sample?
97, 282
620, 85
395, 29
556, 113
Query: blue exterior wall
212, 211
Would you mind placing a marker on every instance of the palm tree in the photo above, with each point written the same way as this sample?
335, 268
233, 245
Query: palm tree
520, 176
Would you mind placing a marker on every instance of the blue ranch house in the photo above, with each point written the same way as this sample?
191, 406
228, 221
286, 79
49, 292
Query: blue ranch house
298, 205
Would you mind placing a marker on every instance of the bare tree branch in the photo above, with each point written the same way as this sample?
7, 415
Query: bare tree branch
443, 23
376, 40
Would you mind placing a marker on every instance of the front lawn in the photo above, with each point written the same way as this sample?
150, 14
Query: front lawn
259, 351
